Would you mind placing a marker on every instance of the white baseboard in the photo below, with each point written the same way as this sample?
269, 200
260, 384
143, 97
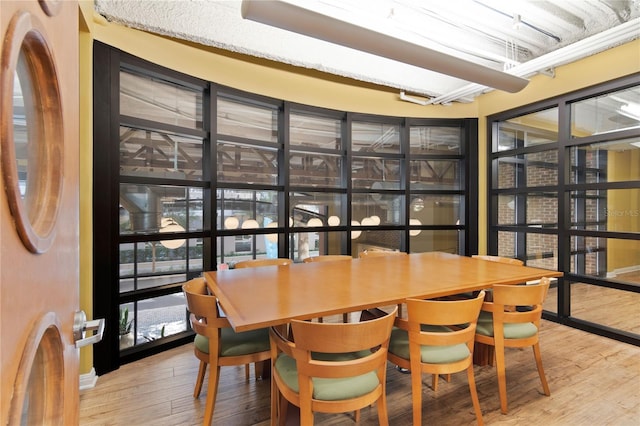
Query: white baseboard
628, 269
88, 380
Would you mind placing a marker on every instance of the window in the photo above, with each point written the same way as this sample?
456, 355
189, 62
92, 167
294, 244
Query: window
565, 194
198, 177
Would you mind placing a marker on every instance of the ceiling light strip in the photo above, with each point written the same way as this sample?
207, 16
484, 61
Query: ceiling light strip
297, 19
589, 46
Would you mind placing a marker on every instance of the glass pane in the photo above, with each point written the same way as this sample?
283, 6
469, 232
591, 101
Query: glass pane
308, 244
196, 252
247, 163
234, 248
435, 140
507, 243
435, 174
246, 209
247, 121
153, 99
375, 208
542, 251
372, 240
507, 214
542, 209
156, 208
375, 137
446, 241
375, 173
551, 301
510, 172
528, 130
606, 258
542, 168
537, 169
437, 209
606, 113
606, 210
23, 113
313, 209
593, 303
316, 132
616, 161
160, 155
313, 169
158, 317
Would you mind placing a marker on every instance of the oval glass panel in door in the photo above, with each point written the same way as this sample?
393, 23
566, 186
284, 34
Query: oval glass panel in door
32, 145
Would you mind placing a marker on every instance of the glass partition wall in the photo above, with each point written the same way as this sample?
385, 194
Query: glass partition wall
565, 195
190, 176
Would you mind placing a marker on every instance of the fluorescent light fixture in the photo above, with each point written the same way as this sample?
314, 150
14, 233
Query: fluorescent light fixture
586, 47
635, 144
307, 22
631, 110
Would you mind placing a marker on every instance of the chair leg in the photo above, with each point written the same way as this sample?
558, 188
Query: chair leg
212, 391
502, 377
416, 394
383, 414
474, 395
200, 379
275, 396
247, 372
543, 379
435, 378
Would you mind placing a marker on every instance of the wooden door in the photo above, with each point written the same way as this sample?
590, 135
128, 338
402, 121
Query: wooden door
39, 211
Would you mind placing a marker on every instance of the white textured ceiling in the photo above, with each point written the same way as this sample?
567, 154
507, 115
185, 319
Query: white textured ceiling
481, 31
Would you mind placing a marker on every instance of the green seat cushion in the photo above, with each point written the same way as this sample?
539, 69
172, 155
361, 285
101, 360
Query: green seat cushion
328, 389
511, 331
399, 346
235, 344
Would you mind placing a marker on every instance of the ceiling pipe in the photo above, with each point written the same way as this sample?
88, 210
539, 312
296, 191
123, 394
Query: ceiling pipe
589, 46
307, 22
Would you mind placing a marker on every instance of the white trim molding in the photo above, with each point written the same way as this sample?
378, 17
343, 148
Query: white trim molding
88, 380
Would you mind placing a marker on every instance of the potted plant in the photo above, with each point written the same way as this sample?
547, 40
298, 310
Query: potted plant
125, 334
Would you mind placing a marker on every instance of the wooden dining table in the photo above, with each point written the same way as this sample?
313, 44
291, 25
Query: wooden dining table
254, 298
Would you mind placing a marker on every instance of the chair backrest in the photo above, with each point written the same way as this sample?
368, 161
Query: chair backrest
378, 253
205, 314
499, 259
254, 263
531, 295
340, 338
327, 258
442, 313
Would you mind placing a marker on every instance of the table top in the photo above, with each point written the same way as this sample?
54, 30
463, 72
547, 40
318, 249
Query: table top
273, 295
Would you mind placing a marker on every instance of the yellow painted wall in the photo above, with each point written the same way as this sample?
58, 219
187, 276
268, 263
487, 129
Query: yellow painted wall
623, 210
313, 88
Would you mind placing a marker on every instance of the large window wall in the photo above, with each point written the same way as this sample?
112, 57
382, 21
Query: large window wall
565, 195
190, 176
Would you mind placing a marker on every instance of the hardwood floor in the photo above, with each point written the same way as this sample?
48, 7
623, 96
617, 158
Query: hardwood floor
593, 380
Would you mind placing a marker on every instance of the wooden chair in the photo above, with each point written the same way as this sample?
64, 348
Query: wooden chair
255, 263
368, 254
327, 258
500, 326
431, 341
500, 259
330, 367
217, 344
330, 258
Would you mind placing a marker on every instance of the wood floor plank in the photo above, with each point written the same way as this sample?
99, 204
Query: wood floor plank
593, 380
